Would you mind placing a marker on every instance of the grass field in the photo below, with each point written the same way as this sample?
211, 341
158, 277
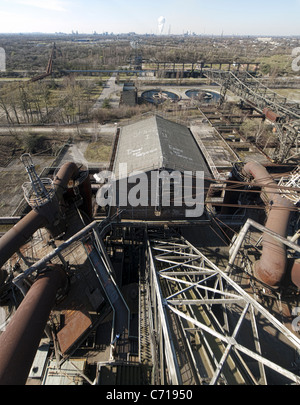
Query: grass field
99, 151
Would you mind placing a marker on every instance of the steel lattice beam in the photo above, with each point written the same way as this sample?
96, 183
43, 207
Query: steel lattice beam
192, 297
249, 89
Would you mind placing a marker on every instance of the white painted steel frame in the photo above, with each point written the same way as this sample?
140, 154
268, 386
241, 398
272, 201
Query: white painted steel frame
179, 257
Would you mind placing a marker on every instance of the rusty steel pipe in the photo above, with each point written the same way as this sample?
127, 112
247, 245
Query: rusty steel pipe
70, 170
295, 274
272, 265
85, 190
27, 226
64, 175
17, 236
20, 341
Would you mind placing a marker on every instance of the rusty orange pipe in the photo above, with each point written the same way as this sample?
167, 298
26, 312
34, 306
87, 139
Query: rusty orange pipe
20, 341
17, 236
272, 265
67, 172
295, 274
27, 226
85, 190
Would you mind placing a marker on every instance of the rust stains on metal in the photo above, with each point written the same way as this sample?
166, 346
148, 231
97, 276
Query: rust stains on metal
271, 115
272, 265
76, 323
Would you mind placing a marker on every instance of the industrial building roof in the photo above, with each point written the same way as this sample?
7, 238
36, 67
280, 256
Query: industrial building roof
129, 94
156, 143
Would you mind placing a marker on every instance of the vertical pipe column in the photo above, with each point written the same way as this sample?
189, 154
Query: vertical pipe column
20, 341
66, 172
85, 190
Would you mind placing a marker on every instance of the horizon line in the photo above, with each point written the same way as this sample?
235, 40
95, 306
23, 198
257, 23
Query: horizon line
186, 34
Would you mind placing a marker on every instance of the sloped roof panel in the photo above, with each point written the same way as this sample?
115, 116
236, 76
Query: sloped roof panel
139, 147
157, 143
180, 150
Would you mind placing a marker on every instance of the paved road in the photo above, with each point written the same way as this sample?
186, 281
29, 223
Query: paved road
110, 92
59, 129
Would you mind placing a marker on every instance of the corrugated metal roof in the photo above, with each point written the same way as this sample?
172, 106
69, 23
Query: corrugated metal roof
157, 143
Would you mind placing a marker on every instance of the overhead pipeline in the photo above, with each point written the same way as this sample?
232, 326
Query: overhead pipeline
46, 216
273, 262
19, 342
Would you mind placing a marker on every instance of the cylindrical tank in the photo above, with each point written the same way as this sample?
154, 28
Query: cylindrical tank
20, 341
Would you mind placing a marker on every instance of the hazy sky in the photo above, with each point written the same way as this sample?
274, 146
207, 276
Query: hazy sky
257, 17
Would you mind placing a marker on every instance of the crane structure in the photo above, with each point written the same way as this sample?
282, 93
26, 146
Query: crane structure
284, 113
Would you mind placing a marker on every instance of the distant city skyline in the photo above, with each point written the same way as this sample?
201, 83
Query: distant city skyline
231, 17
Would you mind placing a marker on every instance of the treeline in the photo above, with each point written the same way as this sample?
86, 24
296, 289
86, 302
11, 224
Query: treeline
31, 53
65, 101
46, 101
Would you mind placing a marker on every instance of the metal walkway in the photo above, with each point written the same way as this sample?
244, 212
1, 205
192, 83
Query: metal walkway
115, 298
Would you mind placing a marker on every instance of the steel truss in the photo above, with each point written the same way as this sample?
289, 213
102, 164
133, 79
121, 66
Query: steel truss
252, 91
292, 181
208, 329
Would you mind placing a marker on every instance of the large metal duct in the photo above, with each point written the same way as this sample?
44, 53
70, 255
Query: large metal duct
67, 172
272, 265
17, 236
20, 341
85, 190
36, 219
295, 274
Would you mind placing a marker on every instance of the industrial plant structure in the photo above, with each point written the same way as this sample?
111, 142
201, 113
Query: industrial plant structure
158, 148
143, 294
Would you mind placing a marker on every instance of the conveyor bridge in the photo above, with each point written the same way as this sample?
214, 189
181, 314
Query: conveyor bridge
283, 112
